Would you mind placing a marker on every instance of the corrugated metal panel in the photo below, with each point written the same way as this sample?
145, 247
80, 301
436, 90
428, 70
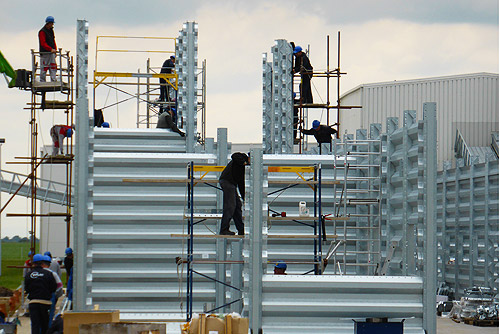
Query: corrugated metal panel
469, 102
327, 304
467, 208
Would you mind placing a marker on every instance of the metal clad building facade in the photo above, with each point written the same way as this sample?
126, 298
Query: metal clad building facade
468, 102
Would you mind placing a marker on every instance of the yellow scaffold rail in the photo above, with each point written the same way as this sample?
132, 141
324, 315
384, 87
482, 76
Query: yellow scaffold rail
100, 77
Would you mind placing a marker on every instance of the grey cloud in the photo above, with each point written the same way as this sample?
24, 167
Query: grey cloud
16, 16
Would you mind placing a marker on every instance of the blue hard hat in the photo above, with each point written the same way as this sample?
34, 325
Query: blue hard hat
47, 258
173, 109
297, 49
105, 125
294, 95
50, 19
47, 253
280, 265
172, 57
68, 251
29, 253
38, 258
315, 124
69, 133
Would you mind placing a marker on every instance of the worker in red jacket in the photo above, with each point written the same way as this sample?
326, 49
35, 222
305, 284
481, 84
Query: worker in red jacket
48, 49
58, 133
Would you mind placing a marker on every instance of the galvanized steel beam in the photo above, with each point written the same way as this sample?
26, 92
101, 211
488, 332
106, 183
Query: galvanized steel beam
83, 163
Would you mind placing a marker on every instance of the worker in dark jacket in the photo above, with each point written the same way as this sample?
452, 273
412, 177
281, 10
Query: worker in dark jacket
304, 67
322, 133
167, 67
48, 49
233, 176
39, 284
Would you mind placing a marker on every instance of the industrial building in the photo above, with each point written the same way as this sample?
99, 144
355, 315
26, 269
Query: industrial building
366, 224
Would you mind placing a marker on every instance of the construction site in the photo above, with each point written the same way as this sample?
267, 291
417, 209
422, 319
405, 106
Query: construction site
390, 226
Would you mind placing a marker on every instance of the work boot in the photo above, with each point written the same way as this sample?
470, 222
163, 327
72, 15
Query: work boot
227, 232
242, 232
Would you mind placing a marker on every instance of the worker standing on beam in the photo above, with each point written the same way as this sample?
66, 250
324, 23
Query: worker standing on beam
231, 177
48, 49
58, 133
304, 67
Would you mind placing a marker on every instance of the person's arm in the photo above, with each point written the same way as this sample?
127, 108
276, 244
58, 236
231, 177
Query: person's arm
331, 131
308, 132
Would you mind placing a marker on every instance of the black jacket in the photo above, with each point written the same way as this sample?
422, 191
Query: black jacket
39, 283
167, 66
235, 172
322, 135
302, 61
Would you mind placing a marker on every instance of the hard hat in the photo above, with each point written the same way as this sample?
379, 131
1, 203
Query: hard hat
172, 57
315, 124
69, 133
105, 125
47, 258
38, 258
47, 253
68, 251
29, 253
49, 19
294, 95
297, 49
280, 265
173, 109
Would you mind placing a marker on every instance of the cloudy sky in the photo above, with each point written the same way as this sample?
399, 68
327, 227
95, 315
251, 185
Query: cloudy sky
382, 40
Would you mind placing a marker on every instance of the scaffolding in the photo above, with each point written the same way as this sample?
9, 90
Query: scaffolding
309, 176
38, 102
301, 108
146, 90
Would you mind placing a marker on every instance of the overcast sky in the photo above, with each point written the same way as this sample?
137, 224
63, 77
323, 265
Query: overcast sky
381, 40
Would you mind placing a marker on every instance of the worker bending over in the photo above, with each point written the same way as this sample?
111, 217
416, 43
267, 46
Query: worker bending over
165, 122
233, 175
58, 133
280, 268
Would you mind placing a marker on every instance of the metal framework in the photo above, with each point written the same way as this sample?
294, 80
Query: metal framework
467, 217
64, 86
195, 218
147, 91
284, 115
357, 199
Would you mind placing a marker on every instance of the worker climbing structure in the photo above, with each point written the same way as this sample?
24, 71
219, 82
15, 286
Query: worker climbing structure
284, 111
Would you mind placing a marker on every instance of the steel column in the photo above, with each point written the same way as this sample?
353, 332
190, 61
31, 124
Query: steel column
83, 162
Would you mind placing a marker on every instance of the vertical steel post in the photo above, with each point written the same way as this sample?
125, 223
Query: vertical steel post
189, 304
256, 269
430, 255
316, 221
236, 277
187, 60
221, 245
267, 105
81, 300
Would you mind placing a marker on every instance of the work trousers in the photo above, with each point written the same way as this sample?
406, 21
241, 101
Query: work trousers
39, 315
231, 207
48, 62
305, 89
